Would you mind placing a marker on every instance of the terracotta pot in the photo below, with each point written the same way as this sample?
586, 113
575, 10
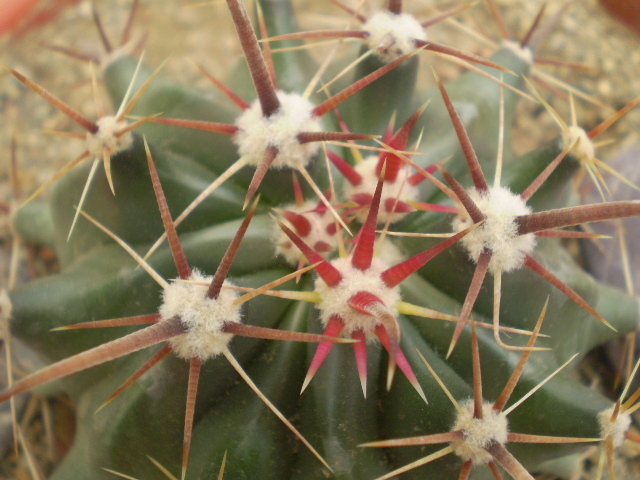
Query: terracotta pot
18, 17
627, 11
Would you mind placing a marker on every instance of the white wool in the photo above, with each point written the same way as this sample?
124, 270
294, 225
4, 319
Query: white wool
615, 430
584, 149
280, 130
5, 313
499, 232
479, 433
335, 300
387, 251
106, 139
399, 189
393, 35
525, 53
320, 222
204, 318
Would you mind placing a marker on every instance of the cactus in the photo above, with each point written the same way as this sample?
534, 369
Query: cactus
416, 290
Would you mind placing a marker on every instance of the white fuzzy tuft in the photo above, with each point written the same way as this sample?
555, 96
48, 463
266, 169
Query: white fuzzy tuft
499, 232
106, 139
320, 222
584, 149
203, 317
335, 299
388, 252
392, 36
525, 53
5, 313
399, 189
280, 130
614, 429
479, 433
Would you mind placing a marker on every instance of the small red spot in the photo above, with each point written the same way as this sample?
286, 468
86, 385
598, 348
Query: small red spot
321, 246
391, 205
362, 198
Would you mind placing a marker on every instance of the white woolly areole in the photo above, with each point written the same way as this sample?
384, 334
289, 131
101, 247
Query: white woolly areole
388, 253
479, 433
106, 139
525, 53
335, 300
399, 189
6, 308
203, 317
392, 35
615, 430
499, 232
584, 149
280, 130
319, 225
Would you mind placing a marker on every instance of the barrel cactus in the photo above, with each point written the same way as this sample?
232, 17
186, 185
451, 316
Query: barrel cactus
380, 214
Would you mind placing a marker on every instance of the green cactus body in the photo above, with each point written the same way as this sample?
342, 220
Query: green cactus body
99, 281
